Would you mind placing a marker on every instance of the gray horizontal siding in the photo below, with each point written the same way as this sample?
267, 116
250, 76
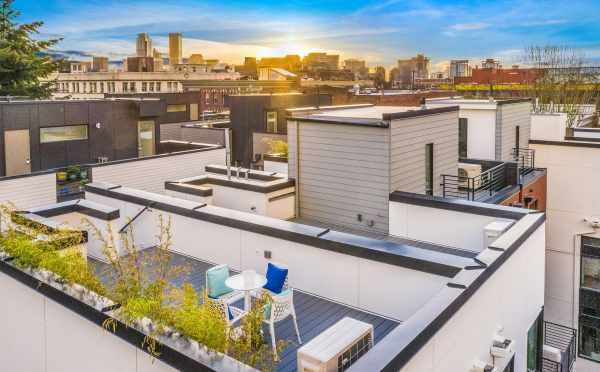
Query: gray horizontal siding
344, 172
170, 132
408, 140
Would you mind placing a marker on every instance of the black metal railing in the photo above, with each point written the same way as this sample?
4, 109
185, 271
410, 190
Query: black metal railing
475, 188
565, 340
525, 159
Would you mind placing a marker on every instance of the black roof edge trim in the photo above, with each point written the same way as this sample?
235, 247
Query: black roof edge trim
323, 232
200, 206
459, 205
407, 261
582, 139
456, 285
417, 113
78, 205
565, 143
404, 355
510, 101
130, 335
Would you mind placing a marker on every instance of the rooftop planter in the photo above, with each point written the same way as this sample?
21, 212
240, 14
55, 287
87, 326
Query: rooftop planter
168, 323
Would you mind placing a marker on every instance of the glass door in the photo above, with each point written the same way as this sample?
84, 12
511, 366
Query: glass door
146, 143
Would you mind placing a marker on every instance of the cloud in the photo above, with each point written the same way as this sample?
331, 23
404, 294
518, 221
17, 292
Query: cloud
469, 26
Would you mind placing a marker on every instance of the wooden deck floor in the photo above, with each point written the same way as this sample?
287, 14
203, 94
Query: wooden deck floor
315, 314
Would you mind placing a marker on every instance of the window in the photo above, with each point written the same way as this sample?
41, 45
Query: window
589, 299
144, 86
517, 135
132, 86
429, 169
271, 121
66, 133
151, 85
176, 108
462, 137
534, 344
158, 86
125, 85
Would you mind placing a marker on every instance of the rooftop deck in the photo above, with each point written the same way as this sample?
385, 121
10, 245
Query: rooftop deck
315, 314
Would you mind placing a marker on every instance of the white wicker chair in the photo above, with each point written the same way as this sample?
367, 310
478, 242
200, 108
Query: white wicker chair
223, 307
229, 297
281, 307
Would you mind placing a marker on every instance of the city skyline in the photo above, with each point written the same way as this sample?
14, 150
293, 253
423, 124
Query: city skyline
378, 32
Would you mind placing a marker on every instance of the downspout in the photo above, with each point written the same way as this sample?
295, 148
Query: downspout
574, 306
297, 164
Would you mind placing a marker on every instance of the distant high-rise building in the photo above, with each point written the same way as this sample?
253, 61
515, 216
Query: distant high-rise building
491, 63
290, 62
357, 67
459, 68
100, 64
196, 59
158, 60
175, 48
143, 45
321, 61
411, 69
140, 64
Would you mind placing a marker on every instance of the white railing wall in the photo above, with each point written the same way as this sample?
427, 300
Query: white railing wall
150, 174
341, 277
40, 335
28, 191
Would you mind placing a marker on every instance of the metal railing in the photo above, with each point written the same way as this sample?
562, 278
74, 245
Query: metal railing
564, 339
475, 188
525, 159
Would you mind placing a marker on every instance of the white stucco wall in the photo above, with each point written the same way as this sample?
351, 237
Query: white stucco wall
444, 227
350, 280
572, 195
548, 127
481, 133
40, 335
503, 301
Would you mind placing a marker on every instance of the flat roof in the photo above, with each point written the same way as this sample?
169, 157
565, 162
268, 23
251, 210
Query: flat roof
364, 115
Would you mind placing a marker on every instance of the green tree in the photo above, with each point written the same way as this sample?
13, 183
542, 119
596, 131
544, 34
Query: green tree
22, 65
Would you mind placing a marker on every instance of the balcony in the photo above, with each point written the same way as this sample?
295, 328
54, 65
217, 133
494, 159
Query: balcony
496, 176
564, 341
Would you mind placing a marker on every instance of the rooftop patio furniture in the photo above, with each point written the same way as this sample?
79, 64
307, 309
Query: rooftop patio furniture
247, 282
216, 287
230, 313
280, 307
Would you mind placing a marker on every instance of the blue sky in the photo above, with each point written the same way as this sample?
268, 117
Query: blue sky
378, 31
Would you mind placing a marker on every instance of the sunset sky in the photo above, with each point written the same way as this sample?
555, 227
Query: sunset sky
378, 31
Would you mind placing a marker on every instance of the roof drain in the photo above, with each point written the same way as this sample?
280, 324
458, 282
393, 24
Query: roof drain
124, 228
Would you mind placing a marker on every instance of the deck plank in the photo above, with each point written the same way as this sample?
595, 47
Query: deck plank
315, 314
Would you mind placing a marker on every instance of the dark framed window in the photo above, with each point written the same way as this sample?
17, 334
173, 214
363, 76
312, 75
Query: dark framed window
65, 133
517, 136
271, 121
463, 128
589, 299
429, 169
535, 342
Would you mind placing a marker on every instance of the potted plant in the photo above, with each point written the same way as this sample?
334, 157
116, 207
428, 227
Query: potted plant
73, 172
61, 176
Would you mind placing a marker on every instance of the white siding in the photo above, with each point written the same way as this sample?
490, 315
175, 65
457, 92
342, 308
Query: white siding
151, 174
29, 191
509, 117
408, 140
344, 173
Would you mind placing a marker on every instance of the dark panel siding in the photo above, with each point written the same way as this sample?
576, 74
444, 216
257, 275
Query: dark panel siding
116, 138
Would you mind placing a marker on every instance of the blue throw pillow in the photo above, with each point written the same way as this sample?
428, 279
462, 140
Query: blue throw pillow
216, 281
275, 278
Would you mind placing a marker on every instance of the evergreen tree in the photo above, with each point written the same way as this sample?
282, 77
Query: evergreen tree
22, 65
